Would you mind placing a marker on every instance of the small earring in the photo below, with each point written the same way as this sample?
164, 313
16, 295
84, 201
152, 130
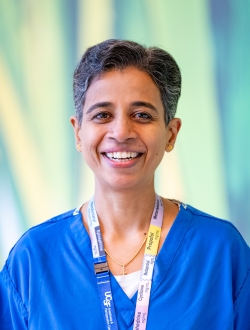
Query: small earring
78, 147
170, 148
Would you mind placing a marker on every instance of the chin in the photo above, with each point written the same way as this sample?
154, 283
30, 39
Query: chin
125, 183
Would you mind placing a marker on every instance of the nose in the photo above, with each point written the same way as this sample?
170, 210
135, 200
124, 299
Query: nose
122, 129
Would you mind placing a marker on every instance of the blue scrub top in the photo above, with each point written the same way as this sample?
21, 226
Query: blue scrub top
201, 279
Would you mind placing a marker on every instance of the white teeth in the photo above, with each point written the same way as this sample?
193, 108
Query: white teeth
122, 156
133, 154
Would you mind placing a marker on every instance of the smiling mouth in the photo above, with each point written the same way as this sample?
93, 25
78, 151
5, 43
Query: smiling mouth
122, 156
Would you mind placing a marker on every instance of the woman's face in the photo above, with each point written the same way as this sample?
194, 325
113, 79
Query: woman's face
123, 135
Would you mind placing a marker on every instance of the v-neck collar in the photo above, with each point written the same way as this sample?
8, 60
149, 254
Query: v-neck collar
123, 303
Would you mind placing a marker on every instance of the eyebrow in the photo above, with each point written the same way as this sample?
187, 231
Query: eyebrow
99, 105
144, 104
133, 104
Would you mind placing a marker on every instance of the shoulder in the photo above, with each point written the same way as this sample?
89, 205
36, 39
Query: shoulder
44, 231
213, 235
218, 247
39, 248
217, 236
39, 239
211, 224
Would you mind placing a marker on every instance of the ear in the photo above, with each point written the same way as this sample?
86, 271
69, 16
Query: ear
173, 130
77, 129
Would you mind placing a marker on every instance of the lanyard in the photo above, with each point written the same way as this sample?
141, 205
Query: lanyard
102, 270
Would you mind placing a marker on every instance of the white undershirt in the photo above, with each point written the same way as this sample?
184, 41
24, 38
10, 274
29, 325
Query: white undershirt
129, 283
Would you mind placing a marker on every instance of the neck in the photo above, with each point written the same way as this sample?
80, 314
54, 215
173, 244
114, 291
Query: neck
122, 213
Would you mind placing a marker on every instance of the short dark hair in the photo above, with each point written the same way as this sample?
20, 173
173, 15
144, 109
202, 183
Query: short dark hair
119, 54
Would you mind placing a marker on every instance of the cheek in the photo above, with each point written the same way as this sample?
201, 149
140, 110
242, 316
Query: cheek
90, 143
87, 149
89, 158
158, 150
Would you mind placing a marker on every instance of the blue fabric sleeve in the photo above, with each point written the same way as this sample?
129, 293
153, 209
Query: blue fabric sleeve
242, 306
13, 314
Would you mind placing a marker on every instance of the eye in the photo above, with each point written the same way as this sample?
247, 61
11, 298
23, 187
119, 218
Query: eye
101, 116
143, 116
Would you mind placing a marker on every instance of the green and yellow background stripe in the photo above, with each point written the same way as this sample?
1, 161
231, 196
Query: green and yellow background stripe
42, 175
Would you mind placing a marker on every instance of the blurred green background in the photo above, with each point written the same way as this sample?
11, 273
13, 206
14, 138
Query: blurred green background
41, 173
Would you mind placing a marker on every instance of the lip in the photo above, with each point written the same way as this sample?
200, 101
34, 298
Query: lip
125, 163
121, 149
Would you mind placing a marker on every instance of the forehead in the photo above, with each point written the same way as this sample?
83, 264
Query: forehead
129, 79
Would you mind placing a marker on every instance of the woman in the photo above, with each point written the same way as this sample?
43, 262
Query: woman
96, 267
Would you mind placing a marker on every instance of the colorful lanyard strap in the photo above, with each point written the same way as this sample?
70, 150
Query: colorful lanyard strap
102, 270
